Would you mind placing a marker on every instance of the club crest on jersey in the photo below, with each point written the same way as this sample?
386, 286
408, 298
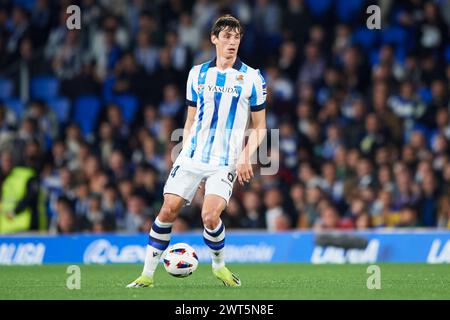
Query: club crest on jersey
240, 77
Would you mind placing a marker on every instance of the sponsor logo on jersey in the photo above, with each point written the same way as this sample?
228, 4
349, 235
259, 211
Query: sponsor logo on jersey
232, 90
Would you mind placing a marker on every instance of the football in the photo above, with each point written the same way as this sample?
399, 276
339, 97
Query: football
180, 260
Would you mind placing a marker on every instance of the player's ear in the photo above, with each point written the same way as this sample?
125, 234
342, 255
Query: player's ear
213, 39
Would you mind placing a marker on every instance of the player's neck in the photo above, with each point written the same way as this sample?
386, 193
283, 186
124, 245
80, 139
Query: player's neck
223, 63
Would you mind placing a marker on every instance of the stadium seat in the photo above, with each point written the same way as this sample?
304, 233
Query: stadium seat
348, 10
107, 90
400, 54
396, 36
319, 7
16, 105
44, 87
367, 39
425, 94
374, 57
61, 106
447, 54
6, 88
27, 4
85, 112
128, 104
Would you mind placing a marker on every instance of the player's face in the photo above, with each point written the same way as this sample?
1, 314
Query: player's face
227, 43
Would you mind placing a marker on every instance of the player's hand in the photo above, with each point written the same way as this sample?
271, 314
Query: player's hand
244, 172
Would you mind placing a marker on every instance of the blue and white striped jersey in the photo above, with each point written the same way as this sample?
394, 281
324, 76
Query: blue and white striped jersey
224, 100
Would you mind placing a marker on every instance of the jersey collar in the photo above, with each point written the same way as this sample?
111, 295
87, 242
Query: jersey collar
237, 64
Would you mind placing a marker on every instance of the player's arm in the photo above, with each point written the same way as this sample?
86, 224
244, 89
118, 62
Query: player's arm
191, 102
257, 133
257, 103
188, 124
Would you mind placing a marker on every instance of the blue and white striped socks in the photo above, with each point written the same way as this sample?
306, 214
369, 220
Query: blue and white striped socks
158, 241
215, 240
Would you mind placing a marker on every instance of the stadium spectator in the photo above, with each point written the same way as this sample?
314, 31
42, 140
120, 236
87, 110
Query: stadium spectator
408, 217
19, 28
65, 222
273, 201
444, 213
68, 59
330, 220
253, 210
314, 65
146, 54
137, 219
234, 217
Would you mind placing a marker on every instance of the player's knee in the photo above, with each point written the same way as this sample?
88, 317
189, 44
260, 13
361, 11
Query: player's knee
210, 219
167, 213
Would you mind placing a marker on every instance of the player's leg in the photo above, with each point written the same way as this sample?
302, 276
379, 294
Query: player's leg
218, 189
214, 229
180, 188
159, 238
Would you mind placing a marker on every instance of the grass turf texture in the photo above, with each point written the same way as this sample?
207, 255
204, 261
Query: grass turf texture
259, 281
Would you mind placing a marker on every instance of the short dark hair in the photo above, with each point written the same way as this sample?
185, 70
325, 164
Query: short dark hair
226, 22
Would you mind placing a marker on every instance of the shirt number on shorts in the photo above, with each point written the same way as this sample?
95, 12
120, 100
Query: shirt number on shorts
174, 171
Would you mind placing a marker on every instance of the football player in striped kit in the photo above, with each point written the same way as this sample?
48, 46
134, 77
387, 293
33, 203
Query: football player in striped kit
225, 97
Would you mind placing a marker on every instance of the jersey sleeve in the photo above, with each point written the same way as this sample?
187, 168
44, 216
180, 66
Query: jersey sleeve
259, 92
191, 92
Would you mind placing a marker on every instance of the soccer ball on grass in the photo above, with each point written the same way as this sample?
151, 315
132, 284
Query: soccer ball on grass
180, 260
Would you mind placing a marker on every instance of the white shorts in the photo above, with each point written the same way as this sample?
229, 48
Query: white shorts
184, 179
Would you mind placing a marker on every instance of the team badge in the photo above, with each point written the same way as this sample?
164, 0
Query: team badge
240, 77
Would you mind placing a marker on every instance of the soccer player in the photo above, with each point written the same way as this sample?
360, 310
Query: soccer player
222, 96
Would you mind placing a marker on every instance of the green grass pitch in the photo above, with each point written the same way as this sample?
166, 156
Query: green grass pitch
259, 281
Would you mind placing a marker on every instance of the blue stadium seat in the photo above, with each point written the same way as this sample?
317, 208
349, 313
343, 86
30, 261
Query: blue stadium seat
396, 36
85, 112
447, 54
425, 94
6, 88
44, 87
16, 105
61, 106
400, 54
347, 10
27, 4
107, 90
366, 38
319, 7
374, 57
128, 104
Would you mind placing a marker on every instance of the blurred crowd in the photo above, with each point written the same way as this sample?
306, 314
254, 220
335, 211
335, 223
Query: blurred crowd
364, 127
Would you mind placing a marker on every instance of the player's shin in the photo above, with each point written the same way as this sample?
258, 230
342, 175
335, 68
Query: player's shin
215, 240
159, 239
